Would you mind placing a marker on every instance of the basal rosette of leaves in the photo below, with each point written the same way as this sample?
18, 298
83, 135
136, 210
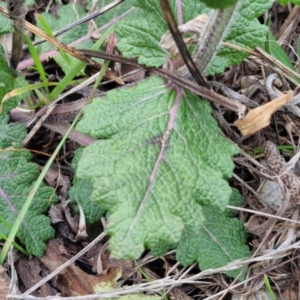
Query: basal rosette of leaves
160, 167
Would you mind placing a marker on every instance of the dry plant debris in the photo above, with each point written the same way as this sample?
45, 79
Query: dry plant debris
273, 230
278, 165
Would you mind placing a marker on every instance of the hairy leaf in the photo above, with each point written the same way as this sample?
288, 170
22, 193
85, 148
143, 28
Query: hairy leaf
243, 30
140, 36
220, 241
17, 175
8, 83
81, 191
141, 32
157, 163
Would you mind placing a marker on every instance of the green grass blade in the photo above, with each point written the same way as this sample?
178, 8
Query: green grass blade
49, 32
268, 288
76, 69
36, 60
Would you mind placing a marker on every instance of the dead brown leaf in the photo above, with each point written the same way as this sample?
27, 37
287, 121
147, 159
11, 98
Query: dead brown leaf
31, 271
259, 117
73, 281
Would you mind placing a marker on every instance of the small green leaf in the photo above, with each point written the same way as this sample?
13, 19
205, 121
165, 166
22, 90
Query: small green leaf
140, 35
243, 30
220, 241
157, 163
17, 175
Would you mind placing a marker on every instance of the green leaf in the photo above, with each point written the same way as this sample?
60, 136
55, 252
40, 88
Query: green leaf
284, 2
8, 83
11, 134
108, 16
6, 25
218, 3
273, 48
243, 30
220, 241
140, 33
17, 175
6, 76
157, 163
81, 191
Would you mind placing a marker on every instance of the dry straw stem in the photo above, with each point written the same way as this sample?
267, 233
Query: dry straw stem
259, 117
160, 284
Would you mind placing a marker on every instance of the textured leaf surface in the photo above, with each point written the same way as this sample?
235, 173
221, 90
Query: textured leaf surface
8, 83
157, 163
6, 25
81, 191
108, 16
141, 32
6, 76
244, 30
140, 36
17, 175
220, 241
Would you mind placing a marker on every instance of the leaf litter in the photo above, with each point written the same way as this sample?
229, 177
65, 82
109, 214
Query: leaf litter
273, 242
